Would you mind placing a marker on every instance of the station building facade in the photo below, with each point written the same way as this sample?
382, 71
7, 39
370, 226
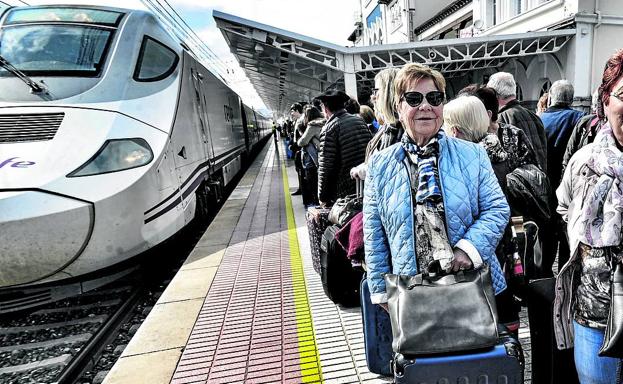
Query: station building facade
595, 27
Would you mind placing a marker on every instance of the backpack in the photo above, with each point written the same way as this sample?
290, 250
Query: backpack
529, 193
311, 153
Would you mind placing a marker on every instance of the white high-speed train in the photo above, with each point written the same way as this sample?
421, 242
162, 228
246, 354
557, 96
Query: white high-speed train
111, 135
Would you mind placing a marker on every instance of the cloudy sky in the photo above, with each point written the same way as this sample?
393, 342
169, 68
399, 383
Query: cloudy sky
329, 20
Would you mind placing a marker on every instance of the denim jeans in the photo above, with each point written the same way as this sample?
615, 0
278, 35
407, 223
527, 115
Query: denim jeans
593, 369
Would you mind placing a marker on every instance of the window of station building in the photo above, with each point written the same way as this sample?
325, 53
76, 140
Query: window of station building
545, 87
451, 33
515, 7
395, 13
156, 61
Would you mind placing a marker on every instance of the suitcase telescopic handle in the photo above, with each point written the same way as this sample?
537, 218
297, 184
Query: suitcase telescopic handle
359, 188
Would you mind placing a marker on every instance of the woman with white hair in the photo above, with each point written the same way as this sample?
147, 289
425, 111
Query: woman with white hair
466, 118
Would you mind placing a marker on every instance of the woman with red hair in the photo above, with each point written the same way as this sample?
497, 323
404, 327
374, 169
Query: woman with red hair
590, 200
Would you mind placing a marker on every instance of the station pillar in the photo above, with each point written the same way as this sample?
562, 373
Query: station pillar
350, 79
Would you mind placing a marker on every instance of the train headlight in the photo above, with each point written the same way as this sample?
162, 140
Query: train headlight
116, 155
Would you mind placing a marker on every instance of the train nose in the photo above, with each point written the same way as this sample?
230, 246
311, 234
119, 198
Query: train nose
40, 233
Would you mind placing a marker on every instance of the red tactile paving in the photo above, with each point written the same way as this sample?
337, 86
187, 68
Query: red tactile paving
247, 330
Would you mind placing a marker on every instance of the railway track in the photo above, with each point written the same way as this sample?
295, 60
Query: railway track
50, 344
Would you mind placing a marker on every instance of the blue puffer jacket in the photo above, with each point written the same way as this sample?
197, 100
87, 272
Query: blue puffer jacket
476, 210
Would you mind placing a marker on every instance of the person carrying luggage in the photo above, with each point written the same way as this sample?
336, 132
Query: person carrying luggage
430, 198
343, 142
590, 203
466, 118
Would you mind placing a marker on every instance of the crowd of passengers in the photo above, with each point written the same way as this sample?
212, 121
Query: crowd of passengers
438, 170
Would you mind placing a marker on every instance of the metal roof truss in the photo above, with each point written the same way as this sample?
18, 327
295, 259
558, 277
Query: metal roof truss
285, 67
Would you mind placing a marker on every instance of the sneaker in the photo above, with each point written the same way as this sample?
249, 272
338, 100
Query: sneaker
297, 192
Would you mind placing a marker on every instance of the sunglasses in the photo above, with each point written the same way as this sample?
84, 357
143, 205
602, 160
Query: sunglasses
414, 99
617, 93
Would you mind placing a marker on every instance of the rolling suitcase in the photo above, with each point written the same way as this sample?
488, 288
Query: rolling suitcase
340, 281
377, 334
549, 364
502, 364
317, 222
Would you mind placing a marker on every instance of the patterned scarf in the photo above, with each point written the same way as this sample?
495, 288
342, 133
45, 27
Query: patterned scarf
428, 186
491, 143
601, 219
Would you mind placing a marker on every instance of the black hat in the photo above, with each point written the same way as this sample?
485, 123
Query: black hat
333, 95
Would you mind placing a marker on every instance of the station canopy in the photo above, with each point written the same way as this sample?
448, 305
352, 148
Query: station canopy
286, 67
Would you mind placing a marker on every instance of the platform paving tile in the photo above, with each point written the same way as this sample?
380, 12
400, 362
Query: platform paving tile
255, 359
342, 380
196, 359
343, 372
228, 366
264, 376
271, 363
336, 360
190, 380
199, 372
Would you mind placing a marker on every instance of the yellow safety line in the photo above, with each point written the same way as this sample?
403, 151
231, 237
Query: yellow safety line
308, 350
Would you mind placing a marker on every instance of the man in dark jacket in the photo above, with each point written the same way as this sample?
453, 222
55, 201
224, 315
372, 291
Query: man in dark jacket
559, 120
584, 132
343, 142
511, 112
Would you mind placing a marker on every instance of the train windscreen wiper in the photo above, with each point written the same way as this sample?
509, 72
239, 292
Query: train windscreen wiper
33, 85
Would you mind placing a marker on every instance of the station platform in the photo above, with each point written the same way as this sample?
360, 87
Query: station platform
247, 305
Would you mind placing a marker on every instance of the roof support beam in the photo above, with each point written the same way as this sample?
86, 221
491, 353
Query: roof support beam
284, 66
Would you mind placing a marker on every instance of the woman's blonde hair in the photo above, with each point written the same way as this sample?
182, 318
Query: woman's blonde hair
416, 71
468, 115
367, 114
385, 106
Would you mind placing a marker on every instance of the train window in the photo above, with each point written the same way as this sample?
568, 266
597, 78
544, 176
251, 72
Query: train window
63, 15
156, 61
62, 50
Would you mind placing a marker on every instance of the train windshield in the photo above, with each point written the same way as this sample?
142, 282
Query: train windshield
57, 41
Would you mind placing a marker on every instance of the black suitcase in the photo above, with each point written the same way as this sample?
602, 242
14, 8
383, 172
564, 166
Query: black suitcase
502, 364
549, 364
340, 281
317, 221
377, 334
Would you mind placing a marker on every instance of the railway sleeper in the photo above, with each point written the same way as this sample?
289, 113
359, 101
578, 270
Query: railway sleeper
81, 338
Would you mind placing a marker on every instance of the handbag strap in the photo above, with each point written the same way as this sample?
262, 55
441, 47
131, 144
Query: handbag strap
612, 261
421, 278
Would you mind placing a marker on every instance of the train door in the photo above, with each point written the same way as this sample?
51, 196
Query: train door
200, 89
236, 121
246, 125
188, 139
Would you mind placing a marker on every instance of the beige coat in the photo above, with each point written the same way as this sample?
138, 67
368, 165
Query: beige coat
577, 182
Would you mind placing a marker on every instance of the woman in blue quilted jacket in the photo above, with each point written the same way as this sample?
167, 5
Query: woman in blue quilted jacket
431, 201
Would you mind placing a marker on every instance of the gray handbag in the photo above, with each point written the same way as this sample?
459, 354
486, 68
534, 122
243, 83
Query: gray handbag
450, 313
